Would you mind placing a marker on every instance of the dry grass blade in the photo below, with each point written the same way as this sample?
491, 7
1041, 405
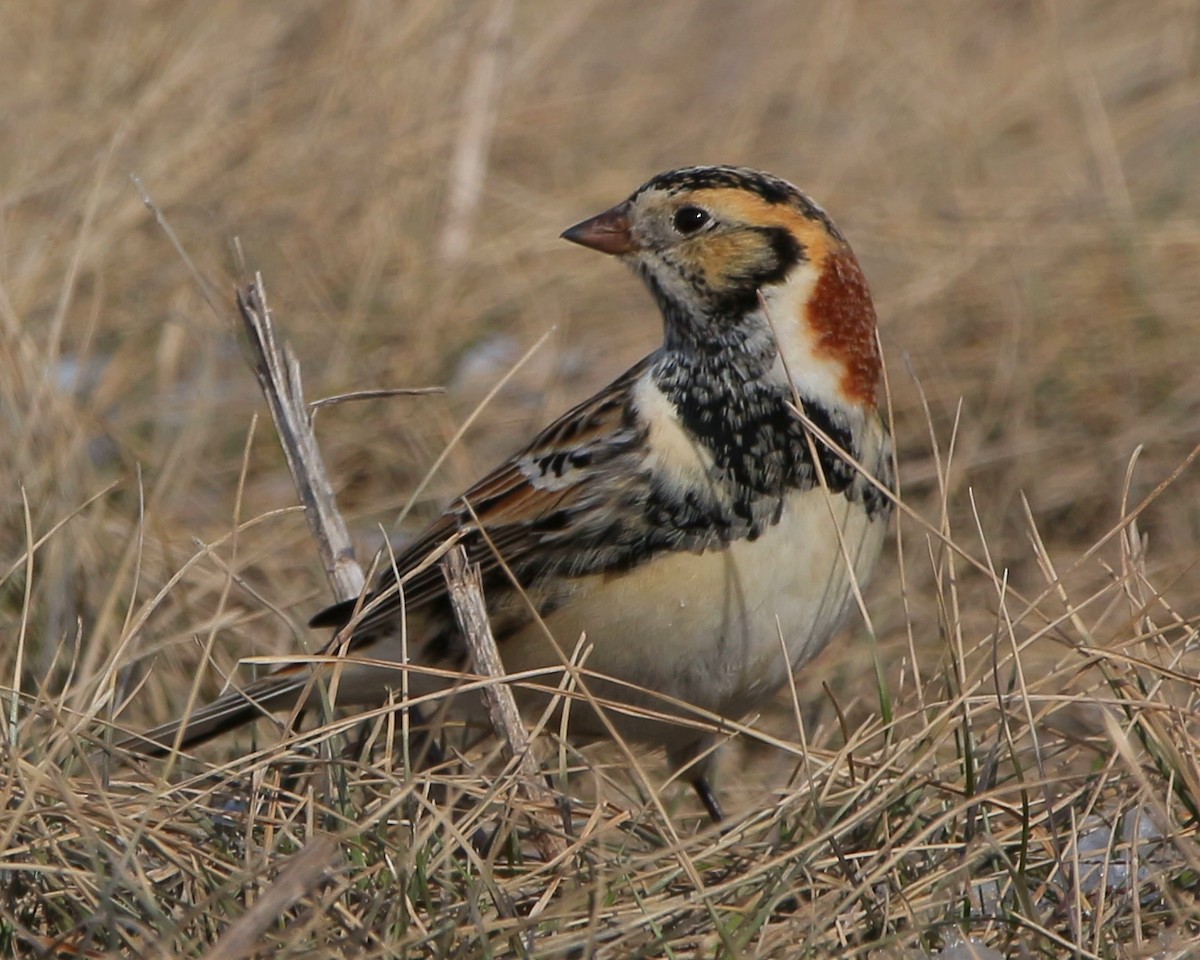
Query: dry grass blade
358, 395
478, 123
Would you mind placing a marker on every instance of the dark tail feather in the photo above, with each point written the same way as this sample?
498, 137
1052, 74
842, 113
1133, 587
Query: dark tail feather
234, 709
337, 615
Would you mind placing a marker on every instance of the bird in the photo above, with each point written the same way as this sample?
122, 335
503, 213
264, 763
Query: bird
706, 521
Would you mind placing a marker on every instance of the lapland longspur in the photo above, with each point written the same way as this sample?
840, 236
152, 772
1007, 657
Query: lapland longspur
703, 533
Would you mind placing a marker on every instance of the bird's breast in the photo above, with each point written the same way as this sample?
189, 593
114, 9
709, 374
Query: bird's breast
720, 628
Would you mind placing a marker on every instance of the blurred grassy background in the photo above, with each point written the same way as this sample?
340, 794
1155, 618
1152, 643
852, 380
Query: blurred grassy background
1019, 180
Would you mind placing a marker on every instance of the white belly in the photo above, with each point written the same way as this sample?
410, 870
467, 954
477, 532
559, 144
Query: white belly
721, 629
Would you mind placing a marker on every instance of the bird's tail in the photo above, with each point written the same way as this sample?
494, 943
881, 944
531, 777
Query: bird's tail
280, 691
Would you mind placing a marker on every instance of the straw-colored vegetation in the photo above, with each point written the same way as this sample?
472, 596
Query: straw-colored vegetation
1020, 181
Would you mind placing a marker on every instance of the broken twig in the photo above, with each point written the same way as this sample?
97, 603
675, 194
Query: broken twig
278, 373
466, 596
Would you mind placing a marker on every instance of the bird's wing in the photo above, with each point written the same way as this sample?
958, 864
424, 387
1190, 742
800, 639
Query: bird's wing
547, 509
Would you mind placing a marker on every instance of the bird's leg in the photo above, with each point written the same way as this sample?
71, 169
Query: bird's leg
695, 759
429, 752
707, 797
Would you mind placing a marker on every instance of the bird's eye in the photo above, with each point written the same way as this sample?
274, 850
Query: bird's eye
690, 219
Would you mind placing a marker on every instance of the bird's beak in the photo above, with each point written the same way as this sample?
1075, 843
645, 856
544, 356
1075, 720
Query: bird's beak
608, 232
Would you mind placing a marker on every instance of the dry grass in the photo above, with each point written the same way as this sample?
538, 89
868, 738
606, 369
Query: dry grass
1019, 180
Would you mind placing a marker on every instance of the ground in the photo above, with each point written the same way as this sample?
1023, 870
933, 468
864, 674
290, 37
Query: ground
1018, 180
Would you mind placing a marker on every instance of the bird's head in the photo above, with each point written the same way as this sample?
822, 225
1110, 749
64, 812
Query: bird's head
741, 260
